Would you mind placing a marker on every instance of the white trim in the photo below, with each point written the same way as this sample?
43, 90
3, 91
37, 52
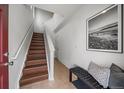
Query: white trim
63, 63
25, 57
46, 56
50, 55
23, 41
51, 77
49, 40
28, 36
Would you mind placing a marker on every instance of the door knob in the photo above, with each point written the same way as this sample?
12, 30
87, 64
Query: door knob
7, 64
11, 63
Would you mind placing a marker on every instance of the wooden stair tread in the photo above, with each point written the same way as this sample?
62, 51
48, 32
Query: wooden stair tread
33, 47
37, 44
34, 39
35, 62
37, 40
33, 79
39, 60
35, 58
40, 37
36, 55
38, 49
36, 52
33, 66
37, 37
33, 70
37, 33
34, 75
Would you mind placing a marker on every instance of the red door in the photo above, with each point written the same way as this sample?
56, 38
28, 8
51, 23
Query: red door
3, 46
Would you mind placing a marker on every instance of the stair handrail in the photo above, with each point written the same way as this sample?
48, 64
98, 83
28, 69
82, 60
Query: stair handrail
49, 40
50, 51
21, 44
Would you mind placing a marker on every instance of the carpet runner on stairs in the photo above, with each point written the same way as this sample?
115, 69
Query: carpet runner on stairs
36, 65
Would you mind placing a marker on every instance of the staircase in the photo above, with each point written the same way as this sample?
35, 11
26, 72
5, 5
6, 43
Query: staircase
36, 65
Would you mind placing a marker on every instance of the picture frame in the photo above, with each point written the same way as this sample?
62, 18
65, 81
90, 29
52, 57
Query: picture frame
105, 30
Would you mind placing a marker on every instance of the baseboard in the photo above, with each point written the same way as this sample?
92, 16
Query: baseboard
23, 65
47, 57
62, 63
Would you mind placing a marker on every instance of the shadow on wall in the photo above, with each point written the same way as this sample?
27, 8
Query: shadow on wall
41, 16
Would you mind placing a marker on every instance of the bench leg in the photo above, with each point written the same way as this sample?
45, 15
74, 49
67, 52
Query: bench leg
70, 76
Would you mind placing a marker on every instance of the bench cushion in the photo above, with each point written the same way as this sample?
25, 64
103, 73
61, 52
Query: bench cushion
84, 76
116, 79
101, 74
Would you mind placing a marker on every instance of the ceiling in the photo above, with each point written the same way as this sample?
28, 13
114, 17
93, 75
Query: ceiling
64, 10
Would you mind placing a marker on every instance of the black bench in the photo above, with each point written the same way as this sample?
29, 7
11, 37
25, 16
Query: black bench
85, 80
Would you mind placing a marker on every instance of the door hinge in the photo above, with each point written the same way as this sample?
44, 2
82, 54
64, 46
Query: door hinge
6, 54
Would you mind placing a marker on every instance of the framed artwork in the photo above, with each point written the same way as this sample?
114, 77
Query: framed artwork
104, 30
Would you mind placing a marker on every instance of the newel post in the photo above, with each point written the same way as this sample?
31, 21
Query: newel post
52, 65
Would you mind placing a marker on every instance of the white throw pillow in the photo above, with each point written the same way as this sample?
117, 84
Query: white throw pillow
101, 74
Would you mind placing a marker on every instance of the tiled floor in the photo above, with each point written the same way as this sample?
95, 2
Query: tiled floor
61, 80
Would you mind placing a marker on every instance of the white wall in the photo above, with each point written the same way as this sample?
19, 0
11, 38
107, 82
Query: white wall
65, 10
51, 25
20, 19
54, 22
71, 42
41, 16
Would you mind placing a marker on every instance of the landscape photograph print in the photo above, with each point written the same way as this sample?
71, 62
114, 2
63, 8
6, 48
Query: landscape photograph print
104, 30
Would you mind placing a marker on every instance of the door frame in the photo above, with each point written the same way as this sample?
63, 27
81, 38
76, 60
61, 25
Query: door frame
4, 79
